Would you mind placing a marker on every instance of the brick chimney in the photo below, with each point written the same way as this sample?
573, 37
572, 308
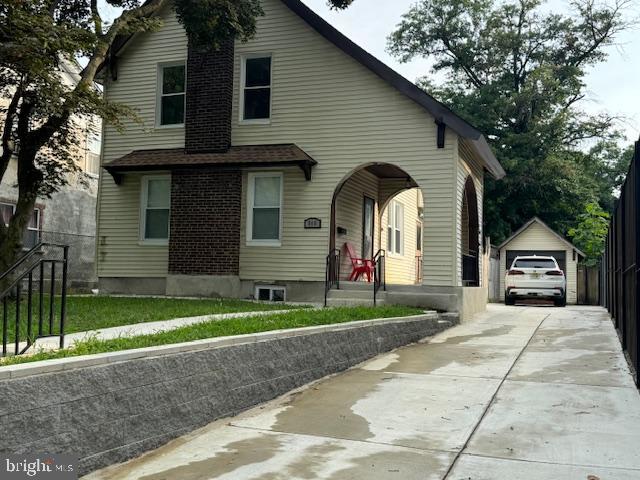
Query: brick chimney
209, 98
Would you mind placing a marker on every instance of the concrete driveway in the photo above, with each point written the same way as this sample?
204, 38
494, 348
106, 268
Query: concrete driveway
519, 393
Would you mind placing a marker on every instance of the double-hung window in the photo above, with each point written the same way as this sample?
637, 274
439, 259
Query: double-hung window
155, 206
264, 209
395, 228
171, 94
32, 233
255, 97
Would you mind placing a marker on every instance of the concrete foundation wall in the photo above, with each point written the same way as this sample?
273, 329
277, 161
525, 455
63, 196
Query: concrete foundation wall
111, 407
132, 285
473, 300
211, 286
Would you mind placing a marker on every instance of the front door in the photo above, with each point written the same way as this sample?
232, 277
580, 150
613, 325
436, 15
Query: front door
368, 211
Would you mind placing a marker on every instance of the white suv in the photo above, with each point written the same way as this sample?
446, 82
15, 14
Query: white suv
535, 277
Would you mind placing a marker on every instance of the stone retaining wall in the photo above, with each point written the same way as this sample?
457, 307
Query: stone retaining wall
111, 407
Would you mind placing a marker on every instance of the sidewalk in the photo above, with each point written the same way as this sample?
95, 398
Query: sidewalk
145, 328
519, 393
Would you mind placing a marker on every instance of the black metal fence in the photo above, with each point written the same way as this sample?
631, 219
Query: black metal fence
33, 294
621, 266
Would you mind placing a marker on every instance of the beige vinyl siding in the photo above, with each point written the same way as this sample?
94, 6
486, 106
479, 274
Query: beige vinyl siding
349, 206
468, 164
401, 269
338, 111
344, 116
537, 237
119, 252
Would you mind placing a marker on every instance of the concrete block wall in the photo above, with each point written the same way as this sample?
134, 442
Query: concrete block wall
109, 408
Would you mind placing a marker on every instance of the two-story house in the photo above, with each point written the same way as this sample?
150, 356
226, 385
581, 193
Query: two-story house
257, 163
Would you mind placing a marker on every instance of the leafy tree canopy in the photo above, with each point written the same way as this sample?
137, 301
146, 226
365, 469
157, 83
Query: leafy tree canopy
36, 36
516, 71
590, 234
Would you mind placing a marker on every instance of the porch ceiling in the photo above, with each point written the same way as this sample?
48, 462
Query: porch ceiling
386, 171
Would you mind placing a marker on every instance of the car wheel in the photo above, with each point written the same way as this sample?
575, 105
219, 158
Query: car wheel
509, 300
561, 302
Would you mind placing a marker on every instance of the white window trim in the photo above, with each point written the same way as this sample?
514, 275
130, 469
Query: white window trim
271, 288
159, 95
391, 222
13, 209
250, 199
144, 192
243, 71
30, 229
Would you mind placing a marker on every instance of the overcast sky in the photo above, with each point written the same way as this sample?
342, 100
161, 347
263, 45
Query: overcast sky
613, 86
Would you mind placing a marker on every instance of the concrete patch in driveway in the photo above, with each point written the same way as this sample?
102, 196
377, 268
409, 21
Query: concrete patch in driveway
576, 336
224, 453
567, 424
482, 361
417, 411
564, 365
470, 467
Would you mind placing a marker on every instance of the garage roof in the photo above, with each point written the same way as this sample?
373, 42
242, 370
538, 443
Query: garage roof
537, 220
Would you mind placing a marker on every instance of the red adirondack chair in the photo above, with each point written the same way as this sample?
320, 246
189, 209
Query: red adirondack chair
360, 266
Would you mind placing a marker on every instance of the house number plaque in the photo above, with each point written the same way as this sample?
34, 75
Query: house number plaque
312, 223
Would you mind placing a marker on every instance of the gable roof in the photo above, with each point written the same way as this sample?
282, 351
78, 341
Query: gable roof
547, 227
439, 111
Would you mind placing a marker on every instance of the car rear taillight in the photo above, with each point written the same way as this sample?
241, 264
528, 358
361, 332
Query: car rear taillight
555, 273
515, 272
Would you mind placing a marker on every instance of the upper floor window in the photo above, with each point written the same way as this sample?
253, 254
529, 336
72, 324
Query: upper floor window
264, 209
255, 101
155, 206
395, 228
171, 98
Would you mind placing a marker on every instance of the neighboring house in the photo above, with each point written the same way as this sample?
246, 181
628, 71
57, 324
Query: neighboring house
253, 164
536, 238
68, 217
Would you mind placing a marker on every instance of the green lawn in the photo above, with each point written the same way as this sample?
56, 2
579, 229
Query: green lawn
95, 312
222, 328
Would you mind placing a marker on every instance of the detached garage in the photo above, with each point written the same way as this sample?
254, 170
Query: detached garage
536, 238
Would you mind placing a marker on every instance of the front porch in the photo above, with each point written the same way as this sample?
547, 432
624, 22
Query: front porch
378, 231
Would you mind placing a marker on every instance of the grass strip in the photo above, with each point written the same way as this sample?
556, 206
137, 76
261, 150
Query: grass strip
223, 328
86, 313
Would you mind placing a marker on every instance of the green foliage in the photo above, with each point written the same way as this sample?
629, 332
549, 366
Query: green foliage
38, 38
96, 312
590, 235
517, 72
222, 328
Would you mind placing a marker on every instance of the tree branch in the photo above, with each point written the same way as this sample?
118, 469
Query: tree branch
97, 19
7, 129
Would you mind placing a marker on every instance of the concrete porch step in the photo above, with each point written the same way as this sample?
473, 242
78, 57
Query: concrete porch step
354, 302
347, 293
365, 286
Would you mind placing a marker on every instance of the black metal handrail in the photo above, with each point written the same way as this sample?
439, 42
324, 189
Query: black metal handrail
379, 274
13, 292
332, 272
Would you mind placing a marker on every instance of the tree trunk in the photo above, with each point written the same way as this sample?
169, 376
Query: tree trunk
29, 180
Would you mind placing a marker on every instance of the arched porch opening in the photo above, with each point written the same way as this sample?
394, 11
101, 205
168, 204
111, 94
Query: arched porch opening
375, 211
470, 235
